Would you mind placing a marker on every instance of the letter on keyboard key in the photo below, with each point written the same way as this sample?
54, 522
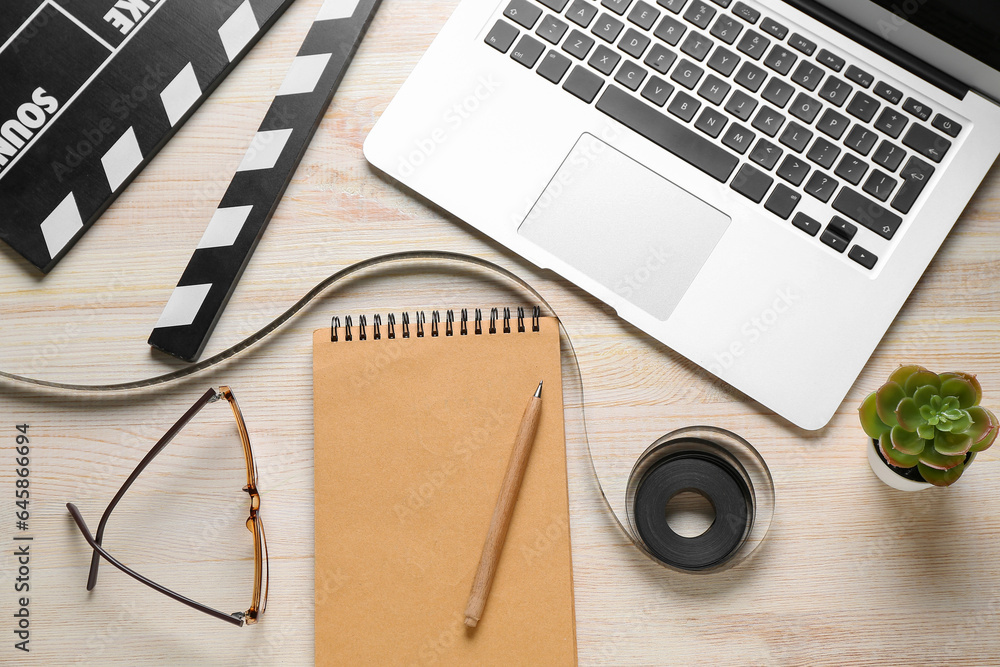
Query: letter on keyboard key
583, 83
581, 13
752, 183
617, 6
657, 91
863, 210
643, 15
738, 138
667, 133
502, 36
670, 30
928, 143
684, 107
783, 201
660, 58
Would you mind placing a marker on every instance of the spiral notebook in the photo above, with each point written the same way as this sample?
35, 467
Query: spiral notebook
414, 425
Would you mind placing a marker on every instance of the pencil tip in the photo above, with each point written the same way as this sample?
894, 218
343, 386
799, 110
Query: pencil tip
538, 392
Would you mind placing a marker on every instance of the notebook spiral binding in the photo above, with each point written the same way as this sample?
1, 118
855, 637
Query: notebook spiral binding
363, 329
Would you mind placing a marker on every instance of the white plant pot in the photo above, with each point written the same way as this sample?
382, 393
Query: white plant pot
885, 473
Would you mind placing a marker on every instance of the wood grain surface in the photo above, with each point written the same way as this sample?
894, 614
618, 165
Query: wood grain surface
852, 572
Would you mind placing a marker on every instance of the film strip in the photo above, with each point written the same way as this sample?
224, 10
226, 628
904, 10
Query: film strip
92, 91
349, 332
208, 281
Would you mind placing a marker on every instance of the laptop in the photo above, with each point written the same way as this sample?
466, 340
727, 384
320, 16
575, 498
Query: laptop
758, 184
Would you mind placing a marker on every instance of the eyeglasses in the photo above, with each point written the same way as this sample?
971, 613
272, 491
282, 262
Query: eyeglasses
254, 524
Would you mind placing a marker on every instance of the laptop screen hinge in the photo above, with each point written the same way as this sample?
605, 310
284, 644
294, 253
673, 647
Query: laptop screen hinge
887, 50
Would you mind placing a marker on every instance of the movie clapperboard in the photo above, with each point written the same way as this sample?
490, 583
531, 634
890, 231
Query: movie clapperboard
90, 90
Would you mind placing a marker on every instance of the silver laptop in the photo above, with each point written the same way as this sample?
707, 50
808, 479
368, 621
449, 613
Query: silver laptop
758, 184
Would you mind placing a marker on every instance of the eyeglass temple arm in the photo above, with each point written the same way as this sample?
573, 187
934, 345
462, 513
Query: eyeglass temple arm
235, 619
210, 396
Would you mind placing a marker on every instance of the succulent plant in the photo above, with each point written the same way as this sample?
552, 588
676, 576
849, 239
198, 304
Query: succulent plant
929, 421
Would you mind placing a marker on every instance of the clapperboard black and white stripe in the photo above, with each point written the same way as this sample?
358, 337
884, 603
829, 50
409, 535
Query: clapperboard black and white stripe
236, 227
91, 90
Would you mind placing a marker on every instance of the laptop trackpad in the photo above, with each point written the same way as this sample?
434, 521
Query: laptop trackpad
624, 226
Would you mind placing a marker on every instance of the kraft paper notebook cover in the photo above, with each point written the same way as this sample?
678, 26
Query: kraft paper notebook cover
412, 440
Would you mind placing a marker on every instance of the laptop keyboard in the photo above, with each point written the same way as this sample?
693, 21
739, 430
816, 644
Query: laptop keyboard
747, 101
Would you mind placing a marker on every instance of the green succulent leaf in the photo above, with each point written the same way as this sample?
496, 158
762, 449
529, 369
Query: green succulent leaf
984, 428
959, 423
952, 444
908, 414
895, 457
921, 378
935, 459
961, 389
926, 431
907, 442
940, 477
968, 377
870, 421
888, 397
903, 373
924, 395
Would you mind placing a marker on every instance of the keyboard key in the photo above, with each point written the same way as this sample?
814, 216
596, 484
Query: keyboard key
889, 156
796, 137
926, 142
778, 92
823, 153
554, 66
578, 45
752, 183
821, 186
522, 12
833, 124
888, 93
700, 14
891, 122
805, 108
581, 13
851, 169
727, 28
863, 257
807, 75
501, 36
915, 108
583, 83
766, 154
806, 224
750, 76
768, 121
774, 28
711, 122
738, 138
835, 241
634, 43
643, 15
670, 30
842, 228
863, 107
780, 59
753, 44
604, 60
617, 6
783, 201
831, 60
947, 125
528, 51
551, 29
748, 14
723, 61
673, 5
915, 176
793, 169
687, 74
836, 91
859, 76
863, 210
660, 58
555, 5
741, 105
667, 133
607, 28
630, 75
684, 107
723, 3
714, 90
657, 91
880, 185
861, 140
800, 43
696, 45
